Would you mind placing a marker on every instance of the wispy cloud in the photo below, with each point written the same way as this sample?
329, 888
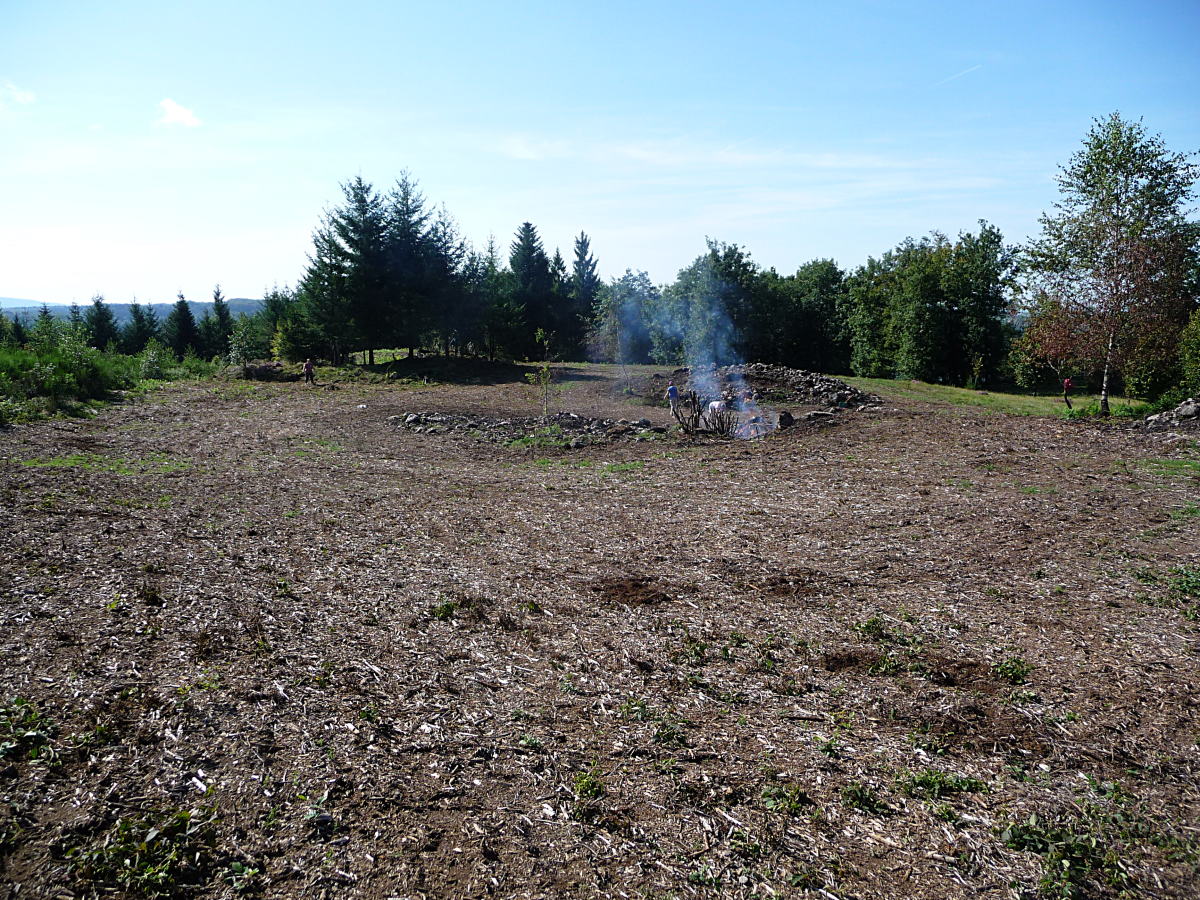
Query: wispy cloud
10, 93
174, 114
957, 75
527, 147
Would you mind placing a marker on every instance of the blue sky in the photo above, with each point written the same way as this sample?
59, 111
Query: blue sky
149, 147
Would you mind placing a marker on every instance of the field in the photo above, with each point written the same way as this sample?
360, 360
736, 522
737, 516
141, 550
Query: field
261, 640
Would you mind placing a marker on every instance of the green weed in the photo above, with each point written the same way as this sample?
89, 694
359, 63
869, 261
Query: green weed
862, 797
934, 784
24, 729
1014, 670
155, 855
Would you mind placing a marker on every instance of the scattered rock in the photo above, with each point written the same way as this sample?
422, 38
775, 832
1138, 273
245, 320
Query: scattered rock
1185, 415
777, 384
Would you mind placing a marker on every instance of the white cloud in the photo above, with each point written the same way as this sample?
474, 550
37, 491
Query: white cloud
10, 93
174, 114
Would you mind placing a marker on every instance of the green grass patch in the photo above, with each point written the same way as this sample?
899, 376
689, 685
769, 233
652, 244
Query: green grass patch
623, 467
549, 437
994, 401
158, 464
1177, 467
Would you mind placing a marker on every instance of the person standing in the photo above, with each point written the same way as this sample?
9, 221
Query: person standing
1067, 385
673, 397
309, 372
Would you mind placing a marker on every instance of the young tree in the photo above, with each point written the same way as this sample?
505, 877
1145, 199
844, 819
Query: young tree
1116, 257
585, 284
77, 322
142, 326
101, 324
180, 330
223, 325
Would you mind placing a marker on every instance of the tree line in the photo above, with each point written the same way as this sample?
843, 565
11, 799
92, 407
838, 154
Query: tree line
96, 326
1108, 291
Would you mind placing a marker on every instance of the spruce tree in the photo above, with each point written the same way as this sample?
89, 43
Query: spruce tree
585, 285
101, 324
416, 269
224, 323
531, 283
180, 330
142, 326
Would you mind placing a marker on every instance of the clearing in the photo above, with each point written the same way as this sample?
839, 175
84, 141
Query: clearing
263, 639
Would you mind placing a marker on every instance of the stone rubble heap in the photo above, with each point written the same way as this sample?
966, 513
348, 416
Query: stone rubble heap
1185, 415
575, 431
783, 385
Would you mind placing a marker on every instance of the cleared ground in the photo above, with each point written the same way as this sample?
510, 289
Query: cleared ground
259, 640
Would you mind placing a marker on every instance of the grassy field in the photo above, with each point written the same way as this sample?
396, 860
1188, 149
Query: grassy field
995, 401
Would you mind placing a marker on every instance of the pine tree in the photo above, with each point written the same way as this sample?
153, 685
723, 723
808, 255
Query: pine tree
414, 270
531, 283
142, 326
77, 322
584, 287
224, 323
101, 324
180, 330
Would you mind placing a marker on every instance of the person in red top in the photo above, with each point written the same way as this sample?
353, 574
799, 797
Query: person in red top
1067, 385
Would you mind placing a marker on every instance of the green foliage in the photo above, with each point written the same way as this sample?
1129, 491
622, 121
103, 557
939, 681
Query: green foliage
154, 855
864, 798
58, 369
24, 729
933, 784
180, 331
1014, 670
932, 310
1186, 581
1113, 271
789, 799
1189, 356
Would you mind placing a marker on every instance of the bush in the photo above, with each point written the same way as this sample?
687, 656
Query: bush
1189, 356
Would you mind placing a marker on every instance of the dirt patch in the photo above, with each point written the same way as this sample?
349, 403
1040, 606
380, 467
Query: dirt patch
323, 655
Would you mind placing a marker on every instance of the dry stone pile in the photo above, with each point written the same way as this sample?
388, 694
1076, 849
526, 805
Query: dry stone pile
573, 430
1185, 415
780, 384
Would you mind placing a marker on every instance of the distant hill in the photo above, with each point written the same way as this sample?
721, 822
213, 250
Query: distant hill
237, 306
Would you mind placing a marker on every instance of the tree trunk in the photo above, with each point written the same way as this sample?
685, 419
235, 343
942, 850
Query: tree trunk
371, 356
1104, 382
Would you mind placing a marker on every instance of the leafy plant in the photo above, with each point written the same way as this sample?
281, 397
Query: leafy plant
933, 784
154, 855
24, 729
789, 799
1014, 670
862, 797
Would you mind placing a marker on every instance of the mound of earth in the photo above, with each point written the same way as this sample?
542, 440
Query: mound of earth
779, 384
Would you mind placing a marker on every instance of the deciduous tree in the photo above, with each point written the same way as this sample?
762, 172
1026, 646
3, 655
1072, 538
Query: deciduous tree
1116, 257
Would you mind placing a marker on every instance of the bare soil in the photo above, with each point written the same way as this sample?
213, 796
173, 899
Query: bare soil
326, 656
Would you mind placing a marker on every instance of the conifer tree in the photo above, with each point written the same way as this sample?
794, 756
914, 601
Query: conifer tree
142, 326
180, 330
101, 324
531, 282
